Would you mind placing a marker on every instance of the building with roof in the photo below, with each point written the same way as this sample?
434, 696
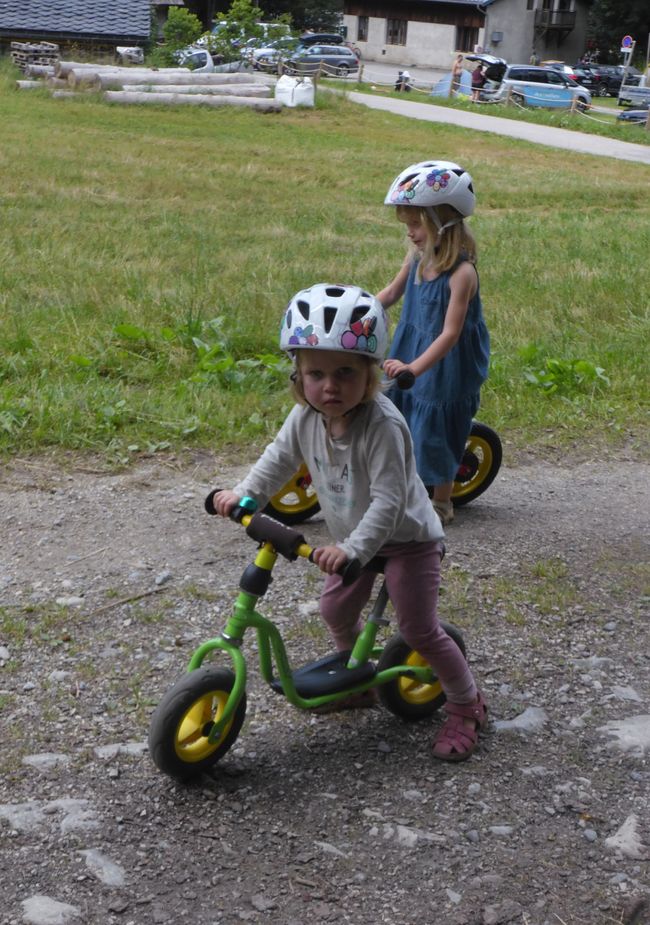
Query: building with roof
414, 32
429, 33
99, 25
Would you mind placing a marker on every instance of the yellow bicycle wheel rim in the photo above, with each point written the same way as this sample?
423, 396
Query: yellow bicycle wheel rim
191, 741
295, 495
483, 453
413, 691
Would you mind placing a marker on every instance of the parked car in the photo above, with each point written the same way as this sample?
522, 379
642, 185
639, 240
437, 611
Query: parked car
580, 74
562, 68
608, 77
197, 58
328, 38
606, 80
330, 60
321, 38
586, 77
266, 56
632, 76
236, 35
530, 86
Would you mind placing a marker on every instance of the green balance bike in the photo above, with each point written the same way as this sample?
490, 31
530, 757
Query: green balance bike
199, 719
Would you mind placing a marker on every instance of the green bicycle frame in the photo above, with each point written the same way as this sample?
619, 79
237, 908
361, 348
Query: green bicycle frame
272, 649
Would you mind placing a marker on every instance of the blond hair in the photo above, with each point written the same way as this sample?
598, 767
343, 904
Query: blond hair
442, 250
373, 385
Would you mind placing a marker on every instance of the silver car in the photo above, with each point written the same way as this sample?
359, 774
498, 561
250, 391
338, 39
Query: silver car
530, 86
328, 60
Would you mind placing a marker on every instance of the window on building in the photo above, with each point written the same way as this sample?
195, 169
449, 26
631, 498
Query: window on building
466, 38
396, 31
530, 4
362, 29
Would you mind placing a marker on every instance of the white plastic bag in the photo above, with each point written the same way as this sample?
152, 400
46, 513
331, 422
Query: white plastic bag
295, 91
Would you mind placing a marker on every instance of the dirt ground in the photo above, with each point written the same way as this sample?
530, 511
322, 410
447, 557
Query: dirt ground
109, 582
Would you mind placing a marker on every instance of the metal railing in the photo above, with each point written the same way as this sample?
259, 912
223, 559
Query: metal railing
555, 19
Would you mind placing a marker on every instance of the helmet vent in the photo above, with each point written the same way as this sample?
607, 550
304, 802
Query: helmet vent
335, 292
329, 315
358, 313
303, 308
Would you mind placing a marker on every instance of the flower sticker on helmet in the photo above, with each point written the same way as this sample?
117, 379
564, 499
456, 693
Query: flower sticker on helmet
405, 192
438, 180
360, 336
304, 337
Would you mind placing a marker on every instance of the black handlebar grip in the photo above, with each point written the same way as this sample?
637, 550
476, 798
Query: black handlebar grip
350, 572
405, 379
208, 504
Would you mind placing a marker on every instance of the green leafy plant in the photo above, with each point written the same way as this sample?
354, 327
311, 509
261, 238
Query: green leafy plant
182, 28
562, 376
215, 362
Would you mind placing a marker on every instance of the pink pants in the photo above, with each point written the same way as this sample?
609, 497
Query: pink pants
412, 573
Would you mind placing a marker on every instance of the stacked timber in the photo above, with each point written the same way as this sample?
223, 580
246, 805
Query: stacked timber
192, 99
26, 53
253, 89
164, 86
38, 70
111, 81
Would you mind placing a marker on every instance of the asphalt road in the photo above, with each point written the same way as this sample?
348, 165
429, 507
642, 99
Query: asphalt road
424, 79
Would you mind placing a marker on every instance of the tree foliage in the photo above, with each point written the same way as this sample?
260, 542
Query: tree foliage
610, 20
237, 25
317, 15
181, 29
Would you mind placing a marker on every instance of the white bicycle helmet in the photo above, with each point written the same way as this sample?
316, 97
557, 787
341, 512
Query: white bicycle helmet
430, 184
333, 317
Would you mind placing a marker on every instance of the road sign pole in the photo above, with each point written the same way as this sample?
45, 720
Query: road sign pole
627, 47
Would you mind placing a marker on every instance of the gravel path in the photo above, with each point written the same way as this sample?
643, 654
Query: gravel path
108, 583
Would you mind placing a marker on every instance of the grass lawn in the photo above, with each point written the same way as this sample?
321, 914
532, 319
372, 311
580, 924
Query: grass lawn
146, 256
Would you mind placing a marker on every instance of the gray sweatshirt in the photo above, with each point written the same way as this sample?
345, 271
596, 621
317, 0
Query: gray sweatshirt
367, 485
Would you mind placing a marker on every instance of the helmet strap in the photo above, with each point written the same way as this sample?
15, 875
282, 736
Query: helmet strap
433, 215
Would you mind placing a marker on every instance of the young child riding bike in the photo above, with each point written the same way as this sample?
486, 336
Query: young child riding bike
441, 336
359, 452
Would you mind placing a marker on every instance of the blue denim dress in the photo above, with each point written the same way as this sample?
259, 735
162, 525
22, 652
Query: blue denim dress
440, 406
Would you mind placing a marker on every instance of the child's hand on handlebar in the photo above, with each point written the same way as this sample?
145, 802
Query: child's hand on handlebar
329, 559
225, 501
393, 368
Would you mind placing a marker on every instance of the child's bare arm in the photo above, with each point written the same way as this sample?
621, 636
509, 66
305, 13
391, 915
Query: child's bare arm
462, 287
395, 289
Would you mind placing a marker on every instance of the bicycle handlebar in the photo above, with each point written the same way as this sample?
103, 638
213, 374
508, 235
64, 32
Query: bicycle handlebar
405, 380
285, 540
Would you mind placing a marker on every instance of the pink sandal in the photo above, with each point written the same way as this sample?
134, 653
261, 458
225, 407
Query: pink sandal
456, 741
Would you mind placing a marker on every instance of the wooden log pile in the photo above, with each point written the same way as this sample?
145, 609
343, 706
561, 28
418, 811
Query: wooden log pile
164, 86
192, 99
